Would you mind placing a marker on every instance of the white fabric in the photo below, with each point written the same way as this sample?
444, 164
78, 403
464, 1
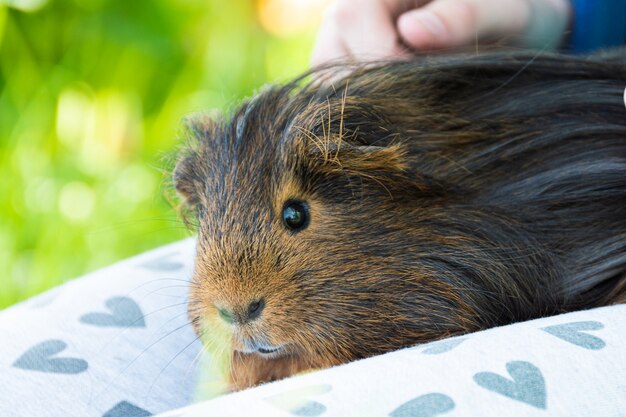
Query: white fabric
569, 365
116, 343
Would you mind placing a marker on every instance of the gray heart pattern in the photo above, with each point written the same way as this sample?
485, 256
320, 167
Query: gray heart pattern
124, 313
299, 403
428, 405
443, 346
573, 333
126, 409
527, 386
42, 358
164, 263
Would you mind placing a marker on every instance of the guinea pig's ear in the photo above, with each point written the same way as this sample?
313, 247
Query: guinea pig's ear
187, 182
367, 160
386, 165
190, 171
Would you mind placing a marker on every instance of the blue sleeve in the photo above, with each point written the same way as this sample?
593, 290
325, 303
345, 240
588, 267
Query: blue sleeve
598, 24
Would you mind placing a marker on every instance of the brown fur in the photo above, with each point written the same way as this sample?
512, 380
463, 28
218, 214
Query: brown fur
446, 195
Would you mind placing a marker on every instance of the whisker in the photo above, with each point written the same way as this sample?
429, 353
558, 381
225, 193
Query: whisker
171, 319
170, 362
112, 381
188, 282
130, 326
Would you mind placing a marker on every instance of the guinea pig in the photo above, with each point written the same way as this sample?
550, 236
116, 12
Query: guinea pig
406, 202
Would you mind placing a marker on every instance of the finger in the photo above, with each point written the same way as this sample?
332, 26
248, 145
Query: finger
397, 7
449, 23
369, 29
366, 28
329, 46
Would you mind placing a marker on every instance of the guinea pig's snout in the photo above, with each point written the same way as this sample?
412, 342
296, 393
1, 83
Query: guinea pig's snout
242, 314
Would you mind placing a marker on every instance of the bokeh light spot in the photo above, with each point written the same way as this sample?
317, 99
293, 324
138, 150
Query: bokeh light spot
74, 116
288, 17
76, 201
24, 5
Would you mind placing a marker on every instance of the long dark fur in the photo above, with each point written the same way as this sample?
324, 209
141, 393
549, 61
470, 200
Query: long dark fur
447, 195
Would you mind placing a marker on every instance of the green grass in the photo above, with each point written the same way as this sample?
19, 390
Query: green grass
91, 97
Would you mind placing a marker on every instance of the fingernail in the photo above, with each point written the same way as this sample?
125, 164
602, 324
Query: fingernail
431, 22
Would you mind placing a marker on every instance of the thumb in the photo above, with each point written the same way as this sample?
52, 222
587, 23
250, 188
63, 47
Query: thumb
450, 23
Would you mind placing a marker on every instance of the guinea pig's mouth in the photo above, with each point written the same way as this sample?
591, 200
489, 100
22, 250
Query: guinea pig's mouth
270, 351
263, 349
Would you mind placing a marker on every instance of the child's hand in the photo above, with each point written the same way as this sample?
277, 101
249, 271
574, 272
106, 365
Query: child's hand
371, 29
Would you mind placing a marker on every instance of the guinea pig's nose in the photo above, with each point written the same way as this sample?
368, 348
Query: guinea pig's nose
243, 315
226, 315
255, 309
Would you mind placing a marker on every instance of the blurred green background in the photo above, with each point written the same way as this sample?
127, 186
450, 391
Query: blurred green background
91, 97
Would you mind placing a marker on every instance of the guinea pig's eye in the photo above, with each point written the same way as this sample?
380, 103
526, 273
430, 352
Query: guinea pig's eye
295, 215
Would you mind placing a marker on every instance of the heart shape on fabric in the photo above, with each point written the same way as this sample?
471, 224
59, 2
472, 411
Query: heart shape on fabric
527, 386
573, 333
428, 405
443, 346
298, 402
163, 263
126, 409
41, 358
124, 313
